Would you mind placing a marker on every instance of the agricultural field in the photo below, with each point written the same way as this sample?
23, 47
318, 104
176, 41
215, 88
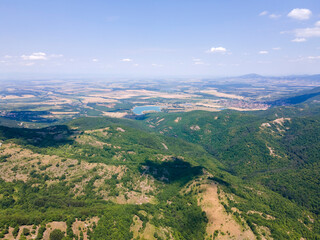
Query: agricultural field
43, 103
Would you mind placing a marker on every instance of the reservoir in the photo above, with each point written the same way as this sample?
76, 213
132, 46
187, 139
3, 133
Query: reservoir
143, 109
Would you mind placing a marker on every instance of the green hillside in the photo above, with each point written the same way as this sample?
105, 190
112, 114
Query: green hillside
146, 178
269, 149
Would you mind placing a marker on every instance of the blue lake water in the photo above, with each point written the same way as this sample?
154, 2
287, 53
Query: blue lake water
139, 110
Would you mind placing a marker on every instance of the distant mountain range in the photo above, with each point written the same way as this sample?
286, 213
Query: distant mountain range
254, 75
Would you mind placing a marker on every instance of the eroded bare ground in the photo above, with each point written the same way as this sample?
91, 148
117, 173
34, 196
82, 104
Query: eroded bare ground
220, 224
52, 226
148, 231
278, 126
33, 232
83, 226
218, 219
77, 227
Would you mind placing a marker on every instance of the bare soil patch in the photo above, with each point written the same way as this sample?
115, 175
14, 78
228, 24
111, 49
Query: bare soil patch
218, 219
52, 226
9, 236
149, 231
83, 226
177, 119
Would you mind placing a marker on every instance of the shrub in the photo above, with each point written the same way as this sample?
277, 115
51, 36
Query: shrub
56, 234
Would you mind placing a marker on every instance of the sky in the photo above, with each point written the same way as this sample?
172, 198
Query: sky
42, 38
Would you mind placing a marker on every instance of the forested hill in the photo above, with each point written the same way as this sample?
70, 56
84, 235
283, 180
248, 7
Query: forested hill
273, 148
195, 175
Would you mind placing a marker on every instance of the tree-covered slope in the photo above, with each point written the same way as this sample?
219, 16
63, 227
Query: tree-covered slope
281, 153
93, 169
144, 179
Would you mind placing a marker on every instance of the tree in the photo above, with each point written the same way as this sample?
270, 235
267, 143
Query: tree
15, 231
23, 237
26, 231
56, 234
81, 235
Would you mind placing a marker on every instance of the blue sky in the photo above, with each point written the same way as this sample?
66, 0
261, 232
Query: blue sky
159, 38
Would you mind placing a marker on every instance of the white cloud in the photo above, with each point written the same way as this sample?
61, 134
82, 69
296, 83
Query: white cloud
263, 13
307, 32
313, 57
40, 56
35, 56
300, 14
303, 33
299, 40
276, 48
274, 16
7, 56
156, 65
217, 50
263, 52
95, 60
126, 60
304, 59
